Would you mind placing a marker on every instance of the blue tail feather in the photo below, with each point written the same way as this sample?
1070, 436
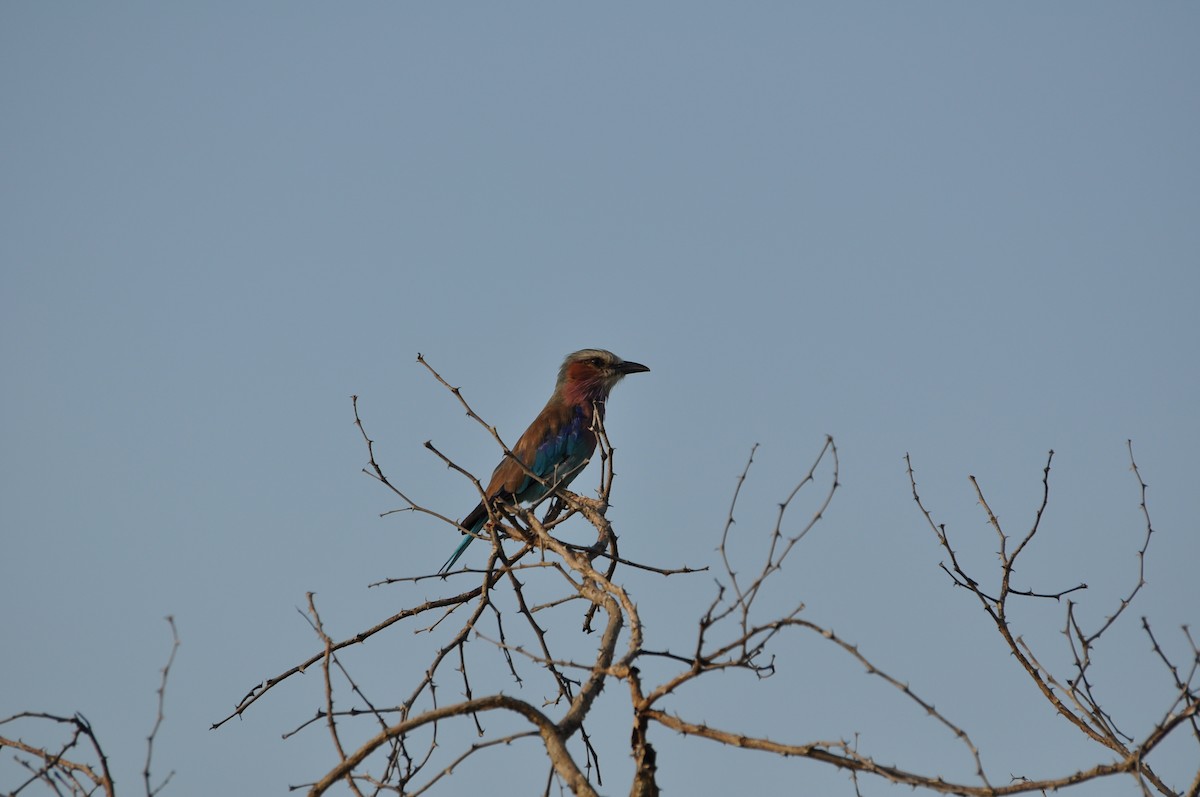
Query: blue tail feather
462, 546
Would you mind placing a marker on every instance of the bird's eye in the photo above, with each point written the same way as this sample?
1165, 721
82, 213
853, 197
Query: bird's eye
596, 361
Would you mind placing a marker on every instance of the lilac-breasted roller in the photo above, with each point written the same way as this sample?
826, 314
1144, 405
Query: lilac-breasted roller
561, 439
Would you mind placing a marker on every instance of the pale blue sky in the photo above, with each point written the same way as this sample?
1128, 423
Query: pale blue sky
970, 232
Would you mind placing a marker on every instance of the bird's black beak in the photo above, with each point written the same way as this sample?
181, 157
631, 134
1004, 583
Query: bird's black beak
627, 367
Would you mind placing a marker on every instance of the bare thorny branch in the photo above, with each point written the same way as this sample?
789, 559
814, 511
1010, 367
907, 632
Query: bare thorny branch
1080, 707
510, 626
49, 765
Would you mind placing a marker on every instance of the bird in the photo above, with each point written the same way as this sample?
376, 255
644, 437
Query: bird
559, 442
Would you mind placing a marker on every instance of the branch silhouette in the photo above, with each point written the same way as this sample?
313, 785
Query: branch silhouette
514, 628
86, 771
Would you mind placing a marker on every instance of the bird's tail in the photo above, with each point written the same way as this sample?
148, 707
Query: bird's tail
473, 522
462, 546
